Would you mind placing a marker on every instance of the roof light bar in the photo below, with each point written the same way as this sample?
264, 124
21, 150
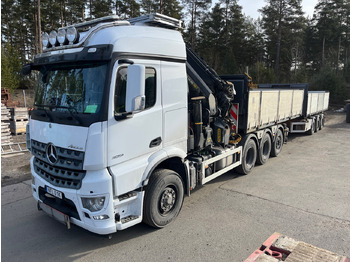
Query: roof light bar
158, 20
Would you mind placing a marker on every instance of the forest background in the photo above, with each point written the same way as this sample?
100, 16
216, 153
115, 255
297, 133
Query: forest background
282, 46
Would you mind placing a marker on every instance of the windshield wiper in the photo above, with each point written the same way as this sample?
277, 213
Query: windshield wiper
69, 108
43, 108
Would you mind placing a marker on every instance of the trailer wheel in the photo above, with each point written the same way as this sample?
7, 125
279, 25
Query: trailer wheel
321, 124
264, 149
347, 110
163, 198
316, 124
312, 129
249, 155
277, 143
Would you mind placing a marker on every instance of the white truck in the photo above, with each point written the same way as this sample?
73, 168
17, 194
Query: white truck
127, 120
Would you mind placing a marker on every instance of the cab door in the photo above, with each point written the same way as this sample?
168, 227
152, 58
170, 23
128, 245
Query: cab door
132, 140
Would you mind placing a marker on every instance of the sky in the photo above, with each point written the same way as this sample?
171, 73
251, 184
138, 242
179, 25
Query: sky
250, 7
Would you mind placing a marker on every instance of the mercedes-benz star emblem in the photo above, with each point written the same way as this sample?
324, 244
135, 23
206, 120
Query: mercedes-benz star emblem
51, 154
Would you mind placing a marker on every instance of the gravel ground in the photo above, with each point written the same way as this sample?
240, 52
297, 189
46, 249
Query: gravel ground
15, 167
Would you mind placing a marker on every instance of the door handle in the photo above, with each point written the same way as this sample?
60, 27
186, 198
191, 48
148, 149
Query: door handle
155, 142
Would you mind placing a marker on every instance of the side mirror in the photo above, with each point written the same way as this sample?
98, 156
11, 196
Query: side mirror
135, 88
26, 69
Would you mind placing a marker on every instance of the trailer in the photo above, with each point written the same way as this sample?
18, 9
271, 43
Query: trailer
128, 120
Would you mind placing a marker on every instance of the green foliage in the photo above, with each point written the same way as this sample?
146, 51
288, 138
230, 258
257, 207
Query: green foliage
127, 8
262, 74
328, 80
10, 67
283, 23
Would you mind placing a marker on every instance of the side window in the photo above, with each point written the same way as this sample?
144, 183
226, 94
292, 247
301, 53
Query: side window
120, 91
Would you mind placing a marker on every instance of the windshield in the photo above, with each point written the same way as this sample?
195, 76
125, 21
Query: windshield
78, 88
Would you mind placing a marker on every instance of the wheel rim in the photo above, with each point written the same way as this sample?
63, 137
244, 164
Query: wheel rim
278, 141
167, 200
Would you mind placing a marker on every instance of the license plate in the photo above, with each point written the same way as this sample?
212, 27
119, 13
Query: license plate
56, 214
54, 192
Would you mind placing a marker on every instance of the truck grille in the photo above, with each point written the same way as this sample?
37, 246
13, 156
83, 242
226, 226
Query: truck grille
66, 172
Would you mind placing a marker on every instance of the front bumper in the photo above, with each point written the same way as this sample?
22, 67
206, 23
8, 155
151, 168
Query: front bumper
95, 184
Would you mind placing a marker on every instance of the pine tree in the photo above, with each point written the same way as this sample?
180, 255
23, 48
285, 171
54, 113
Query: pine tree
332, 30
127, 8
10, 67
194, 9
283, 22
99, 8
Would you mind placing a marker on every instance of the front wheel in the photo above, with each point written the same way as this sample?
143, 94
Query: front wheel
163, 198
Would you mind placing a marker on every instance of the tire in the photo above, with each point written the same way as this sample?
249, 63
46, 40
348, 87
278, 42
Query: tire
277, 143
347, 110
312, 129
163, 198
316, 124
264, 149
321, 122
249, 155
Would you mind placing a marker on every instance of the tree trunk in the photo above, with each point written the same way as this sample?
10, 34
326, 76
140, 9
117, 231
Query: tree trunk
338, 57
279, 36
161, 7
39, 28
61, 8
278, 51
90, 6
323, 48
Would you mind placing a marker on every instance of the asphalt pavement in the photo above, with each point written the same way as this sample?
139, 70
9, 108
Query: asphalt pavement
304, 193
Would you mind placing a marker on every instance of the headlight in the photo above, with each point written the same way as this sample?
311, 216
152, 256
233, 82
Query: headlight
93, 203
45, 39
72, 35
61, 36
53, 38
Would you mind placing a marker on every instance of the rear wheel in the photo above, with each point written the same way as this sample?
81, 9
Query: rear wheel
249, 155
163, 198
264, 149
321, 122
316, 124
312, 129
347, 107
277, 143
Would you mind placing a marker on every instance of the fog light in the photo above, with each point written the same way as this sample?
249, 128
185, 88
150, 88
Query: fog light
45, 39
93, 203
101, 217
53, 38
72, 35
61, 36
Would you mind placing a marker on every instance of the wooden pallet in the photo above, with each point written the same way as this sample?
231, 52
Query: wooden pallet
279, 248
6, 137
18, 126
19, 113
